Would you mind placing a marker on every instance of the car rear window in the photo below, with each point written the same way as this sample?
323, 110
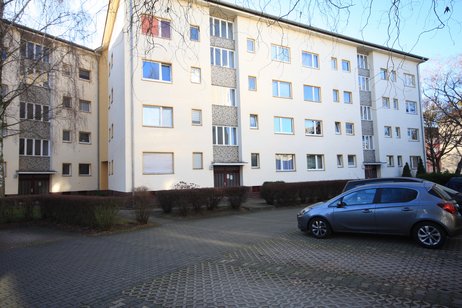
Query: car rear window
439, 193
397, 195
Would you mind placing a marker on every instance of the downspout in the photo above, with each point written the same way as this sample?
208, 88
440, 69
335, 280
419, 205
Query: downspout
132, 125
98, 153
422, 128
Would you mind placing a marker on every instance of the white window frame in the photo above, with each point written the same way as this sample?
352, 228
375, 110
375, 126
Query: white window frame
339, 161
414, 162
410, 110
218, 56
409, 80
385, 102
350, 97
70, 136
393, 76
410, 134
253, 124
161, 65
196, 74
160, 22
44, 144
318, 162
383, 74
228, 135
221, 28
278, 88
250, 45
351, 165
158, 163
280, 53
85, 134
368, 142
349, 132
398, 132
257, 160
363, 82
198, 160
231, 97
390, 161
314, 125
252, 87
198, 29
89, 169
281, 158
400, 160
395, 104
70, 170
310, 60
313, 91
280, 120
387, 131
196, 117
366, 114
162, 112
333, 63
338, 127
335, 95
362, 61
346, 65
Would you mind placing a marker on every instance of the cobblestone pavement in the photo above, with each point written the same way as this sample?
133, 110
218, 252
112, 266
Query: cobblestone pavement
254, 260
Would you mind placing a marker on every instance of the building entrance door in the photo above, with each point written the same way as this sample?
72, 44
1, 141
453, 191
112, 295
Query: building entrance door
370, 172
226, 176
34, 184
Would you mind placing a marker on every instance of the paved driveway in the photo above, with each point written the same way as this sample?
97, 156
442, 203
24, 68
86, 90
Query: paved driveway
254, 260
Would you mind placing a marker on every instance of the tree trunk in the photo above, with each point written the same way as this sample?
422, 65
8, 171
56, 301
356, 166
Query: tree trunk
459, 167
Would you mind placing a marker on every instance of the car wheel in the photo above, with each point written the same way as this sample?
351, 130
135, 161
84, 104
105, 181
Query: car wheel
429, 235
319, 227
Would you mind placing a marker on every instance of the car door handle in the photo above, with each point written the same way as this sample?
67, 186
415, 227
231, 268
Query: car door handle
367, 211
406, 209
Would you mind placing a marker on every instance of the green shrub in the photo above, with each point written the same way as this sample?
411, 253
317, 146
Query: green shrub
440, 178
267, 191
142, 204
166, 198
19, 209
236, 195
420, 168
213, 197
407, 171
286, 194
105, 215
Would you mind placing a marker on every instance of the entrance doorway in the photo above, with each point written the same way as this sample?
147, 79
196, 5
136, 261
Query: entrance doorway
226, 176
34, 184
370, 172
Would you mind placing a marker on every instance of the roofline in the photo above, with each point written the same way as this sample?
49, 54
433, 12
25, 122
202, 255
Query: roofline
46, 35
314, 29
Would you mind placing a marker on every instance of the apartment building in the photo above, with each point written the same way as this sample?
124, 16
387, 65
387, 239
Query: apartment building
51, 142
219, 95
208, 93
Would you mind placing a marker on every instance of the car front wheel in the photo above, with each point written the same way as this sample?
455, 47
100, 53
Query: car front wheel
429, 235
319, 227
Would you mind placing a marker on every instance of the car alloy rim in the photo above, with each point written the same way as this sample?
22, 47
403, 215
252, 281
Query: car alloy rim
319, 228
429, 235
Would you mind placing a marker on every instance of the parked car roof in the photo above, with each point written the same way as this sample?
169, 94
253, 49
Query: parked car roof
354, 183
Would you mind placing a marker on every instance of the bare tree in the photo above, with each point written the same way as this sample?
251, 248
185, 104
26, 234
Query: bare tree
26, 68
444, 92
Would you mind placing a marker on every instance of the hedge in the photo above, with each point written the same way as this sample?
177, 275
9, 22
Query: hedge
440, 178
19, 209
286, 194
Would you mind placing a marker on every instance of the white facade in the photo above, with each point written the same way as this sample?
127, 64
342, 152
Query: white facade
155, 94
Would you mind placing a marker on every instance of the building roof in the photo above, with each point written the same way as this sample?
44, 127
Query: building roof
314, 29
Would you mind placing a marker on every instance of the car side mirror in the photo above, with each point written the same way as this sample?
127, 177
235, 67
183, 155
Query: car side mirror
340, 204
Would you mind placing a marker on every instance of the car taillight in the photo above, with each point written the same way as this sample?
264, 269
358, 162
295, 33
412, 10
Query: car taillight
448, 207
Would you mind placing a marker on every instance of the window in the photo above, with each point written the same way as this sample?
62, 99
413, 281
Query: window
84, 137
387, 131
411, 107
84, 169
22, 110
111, 96
362, 61
250, 45
221, 28
311, 93
314, 162
232, 97
398, 132
339, 160
157, 116
366, 113
197, 161
363, 83
390, 161
222, 57
67, 169
84, 74
111, 135
335, 96
310, 59
280, 53
150, 26
351, 160
338, 128
383, 74
282, 89
33, 147
283, 125
30, 50
346, 66
224, 135
386, 102
313, 128
349, 128
400, 160
413, 134
194, 33
255, 160
395, 104
84, 106
347, 97
38, 112
252, 83
333, 63
409, 80
368, 144
157, 71
196, 117
393, 76
254, 121
195, 75
285, 162
157, 163
31, 111
397, 195
66, 136
414, 161
365, 196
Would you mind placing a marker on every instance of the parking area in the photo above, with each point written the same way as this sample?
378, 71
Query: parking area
257, 259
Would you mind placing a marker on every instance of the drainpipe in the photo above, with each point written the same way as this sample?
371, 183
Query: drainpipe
422, 128
132, 124
98, 176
